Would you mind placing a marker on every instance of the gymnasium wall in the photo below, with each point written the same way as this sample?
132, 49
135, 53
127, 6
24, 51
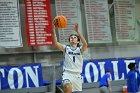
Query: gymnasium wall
52, 56
49, 56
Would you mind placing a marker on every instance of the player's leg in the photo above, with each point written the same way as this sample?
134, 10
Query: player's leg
67, 79
67, 86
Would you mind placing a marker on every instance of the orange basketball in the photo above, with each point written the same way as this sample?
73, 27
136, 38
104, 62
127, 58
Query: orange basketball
60, 21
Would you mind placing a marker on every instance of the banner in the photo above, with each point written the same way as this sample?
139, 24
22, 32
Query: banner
98, 22
10, 29
93, 70
125, 20
72, 10
38, 22
25, 76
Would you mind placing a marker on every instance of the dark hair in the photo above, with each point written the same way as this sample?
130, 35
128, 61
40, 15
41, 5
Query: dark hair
107, 71
77, 37
131, 66
74, 35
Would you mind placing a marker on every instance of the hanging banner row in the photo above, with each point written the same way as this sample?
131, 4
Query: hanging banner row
39, 21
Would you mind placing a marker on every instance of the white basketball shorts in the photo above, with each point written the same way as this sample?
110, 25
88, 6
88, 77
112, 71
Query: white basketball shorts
74, 78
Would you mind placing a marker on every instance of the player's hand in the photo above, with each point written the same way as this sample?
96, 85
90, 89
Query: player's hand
54, 22
76, 27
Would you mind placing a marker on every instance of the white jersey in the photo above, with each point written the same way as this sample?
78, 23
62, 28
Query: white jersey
73, 60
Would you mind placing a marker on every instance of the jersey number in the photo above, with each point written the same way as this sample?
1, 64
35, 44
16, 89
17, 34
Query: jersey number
73, 58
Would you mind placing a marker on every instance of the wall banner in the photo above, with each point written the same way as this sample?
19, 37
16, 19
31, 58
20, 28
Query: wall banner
17, 77
38, 22
125, 20
93, 70
72, 10
97, 21
10, 29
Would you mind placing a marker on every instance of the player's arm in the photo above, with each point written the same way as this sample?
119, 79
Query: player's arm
109, 85
57, 44
84, 42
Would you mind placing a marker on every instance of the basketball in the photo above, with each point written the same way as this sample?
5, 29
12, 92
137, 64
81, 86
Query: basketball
60, 21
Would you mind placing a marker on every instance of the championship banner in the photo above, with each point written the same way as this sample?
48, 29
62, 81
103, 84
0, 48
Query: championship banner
25, 76
38, 22
93, 70
125, 20
71, 9
10, 29
98, 22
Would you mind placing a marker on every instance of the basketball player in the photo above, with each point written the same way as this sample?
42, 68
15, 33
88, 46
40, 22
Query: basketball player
73, 61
